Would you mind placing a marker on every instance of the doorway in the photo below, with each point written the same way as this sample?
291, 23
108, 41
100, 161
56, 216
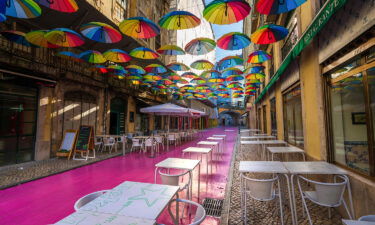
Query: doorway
117, 116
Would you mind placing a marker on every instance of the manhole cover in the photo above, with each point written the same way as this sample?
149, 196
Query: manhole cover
213, 206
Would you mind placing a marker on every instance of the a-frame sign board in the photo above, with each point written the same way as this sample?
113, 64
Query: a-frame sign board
84, 143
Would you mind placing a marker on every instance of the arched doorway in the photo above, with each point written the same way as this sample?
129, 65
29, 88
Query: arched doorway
117, 116
229, 118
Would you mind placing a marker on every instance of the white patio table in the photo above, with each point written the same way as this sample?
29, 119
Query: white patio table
356, 222
181, 164
257, 137
285, 150
202, 151
134, 199
220, 140
228, 130
221, 135
316, 168
88, 218
212, 144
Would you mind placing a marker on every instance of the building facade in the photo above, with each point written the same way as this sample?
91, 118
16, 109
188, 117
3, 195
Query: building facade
318, 92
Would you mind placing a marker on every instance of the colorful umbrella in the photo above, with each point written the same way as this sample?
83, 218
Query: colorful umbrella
198, 80
174, 77
216, 80
178, 66
139, 27
117, 55
152, 76
2, 17
38, 38
24, 9
134, 69
200, 46
179, 20
277, 6
258, 57
92, 56
101, 32
64, 37
234, 78
202, 86
202, 65
67, 6
165, 81
99, 68
268, 34
230, 61
233, 41
183, 81
254, 69
253, 81
255, 76
70, 55
16, 37
155, 68
189, 75
170, 50
116, 69
222, 89
218, 85
143, 53
210, 74
133, 77
226, 11
231, 71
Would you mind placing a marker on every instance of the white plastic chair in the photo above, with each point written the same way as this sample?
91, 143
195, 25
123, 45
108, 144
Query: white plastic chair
98, 143
122, 140
325, 194
88, 198
149, 143
136, 143
172, 137
108, 143
367, 218
260, 190
174, 180
200, 213
159, 141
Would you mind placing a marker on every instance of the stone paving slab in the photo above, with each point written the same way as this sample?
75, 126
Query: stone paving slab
268, 212
25, 172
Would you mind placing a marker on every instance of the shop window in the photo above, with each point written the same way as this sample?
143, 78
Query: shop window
292, 37
273, 117
293, 127
352, 113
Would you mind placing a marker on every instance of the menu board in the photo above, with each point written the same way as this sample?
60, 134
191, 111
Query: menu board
84, 139
67, 143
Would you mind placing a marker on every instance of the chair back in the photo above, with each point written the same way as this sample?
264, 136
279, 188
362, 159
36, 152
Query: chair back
171, 137
173, 179
149, 142
88, 198
260, 189
329, 194
159, 139
130, 135
200, 213
111, 140
368, 218
136, 142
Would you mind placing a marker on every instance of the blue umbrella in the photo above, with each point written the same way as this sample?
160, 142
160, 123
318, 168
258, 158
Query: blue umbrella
277, 6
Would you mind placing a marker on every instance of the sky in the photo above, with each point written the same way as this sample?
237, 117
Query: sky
220, 30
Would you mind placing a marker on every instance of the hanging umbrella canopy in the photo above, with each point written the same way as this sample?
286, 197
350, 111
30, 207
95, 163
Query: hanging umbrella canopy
139, 27
170, 50
152, 76
174, 77
2, 17
202, 65
268, 34
258, 57
64, 37
200, 46
39, 39
178, 66
99, 68
219, 85
254, 69
70, 55
143, 53
133, 77
165, 81
255, 76
134, 69
101, 32
231, 71
234, 78
66, 6
222, 89
198, 80
155, 68
189, 75
216, 80
179, 20
183, 81
230, 61
276, 6
117, 55
169, 109
116, 69
253, 81
24, 9
233, 41
16, 37
92, 56
226, 11
210, 74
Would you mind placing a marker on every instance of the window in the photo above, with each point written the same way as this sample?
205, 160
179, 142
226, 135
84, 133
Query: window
352, 113
273, 117
122, 3
264, 119
292, 37
293, 127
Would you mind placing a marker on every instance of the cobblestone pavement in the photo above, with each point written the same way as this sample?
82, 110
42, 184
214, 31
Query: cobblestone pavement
21, 173
268, 212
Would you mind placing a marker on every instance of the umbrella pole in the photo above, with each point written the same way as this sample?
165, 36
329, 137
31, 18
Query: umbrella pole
169, 118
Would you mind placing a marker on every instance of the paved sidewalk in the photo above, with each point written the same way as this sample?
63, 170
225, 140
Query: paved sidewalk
268, 212
25, 172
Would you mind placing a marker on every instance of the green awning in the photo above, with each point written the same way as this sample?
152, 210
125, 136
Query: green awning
323, 16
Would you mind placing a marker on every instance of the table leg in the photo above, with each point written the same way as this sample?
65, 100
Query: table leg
199, 180
294, 214
350, 196
177, 211
291, 198
156, 170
